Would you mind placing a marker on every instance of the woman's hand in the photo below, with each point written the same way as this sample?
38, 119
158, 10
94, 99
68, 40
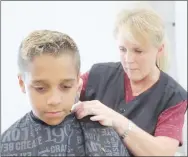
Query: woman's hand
101, 113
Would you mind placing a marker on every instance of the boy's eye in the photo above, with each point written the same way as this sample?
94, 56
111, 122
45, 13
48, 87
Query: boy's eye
65, 86
40, 89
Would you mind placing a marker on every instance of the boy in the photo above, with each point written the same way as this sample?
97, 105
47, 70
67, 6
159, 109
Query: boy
49, 64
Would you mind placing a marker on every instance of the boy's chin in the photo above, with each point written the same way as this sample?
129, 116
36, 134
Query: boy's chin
55, 121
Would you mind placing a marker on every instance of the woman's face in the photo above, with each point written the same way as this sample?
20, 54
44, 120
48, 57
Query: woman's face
138, 60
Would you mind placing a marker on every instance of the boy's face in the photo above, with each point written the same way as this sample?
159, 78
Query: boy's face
51, 86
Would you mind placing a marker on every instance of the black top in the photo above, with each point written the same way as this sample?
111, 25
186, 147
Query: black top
106, 84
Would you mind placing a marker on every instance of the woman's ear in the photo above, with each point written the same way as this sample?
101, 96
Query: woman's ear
21, 83
161, 50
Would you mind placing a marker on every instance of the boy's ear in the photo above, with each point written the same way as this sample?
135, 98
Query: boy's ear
80, 84
21, 83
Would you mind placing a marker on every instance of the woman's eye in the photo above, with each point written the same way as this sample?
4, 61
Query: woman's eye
123, 49
138, 51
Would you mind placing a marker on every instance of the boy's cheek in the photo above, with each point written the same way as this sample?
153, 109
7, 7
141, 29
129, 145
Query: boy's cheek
68, 99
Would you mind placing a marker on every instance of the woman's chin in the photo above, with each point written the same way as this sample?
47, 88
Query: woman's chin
134, 77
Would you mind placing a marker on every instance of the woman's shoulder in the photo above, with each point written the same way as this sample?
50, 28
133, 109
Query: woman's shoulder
174, 92
105, 68
105, 71
106, 65
174, 86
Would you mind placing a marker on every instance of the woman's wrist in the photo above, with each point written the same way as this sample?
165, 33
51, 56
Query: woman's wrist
120, 124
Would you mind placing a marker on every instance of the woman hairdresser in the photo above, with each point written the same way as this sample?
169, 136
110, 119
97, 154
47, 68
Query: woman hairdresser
136, 97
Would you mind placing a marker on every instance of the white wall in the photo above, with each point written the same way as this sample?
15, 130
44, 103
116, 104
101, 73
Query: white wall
181, 41
181, 54
90, 24
167, 11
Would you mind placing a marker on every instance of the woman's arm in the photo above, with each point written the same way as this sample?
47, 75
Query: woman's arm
168, 132
139, 142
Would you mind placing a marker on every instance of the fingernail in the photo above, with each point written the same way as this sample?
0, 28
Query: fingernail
72, 108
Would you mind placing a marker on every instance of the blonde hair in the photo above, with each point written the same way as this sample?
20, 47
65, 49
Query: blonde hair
49, 42
143, 25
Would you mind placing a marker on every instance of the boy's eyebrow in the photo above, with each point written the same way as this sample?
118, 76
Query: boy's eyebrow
39, 81
45, 81
68, 80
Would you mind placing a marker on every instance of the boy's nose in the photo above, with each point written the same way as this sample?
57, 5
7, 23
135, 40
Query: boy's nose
55, 98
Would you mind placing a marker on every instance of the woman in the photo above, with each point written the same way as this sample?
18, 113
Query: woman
136, 97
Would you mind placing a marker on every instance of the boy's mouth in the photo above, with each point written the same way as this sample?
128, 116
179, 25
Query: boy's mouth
54, 114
